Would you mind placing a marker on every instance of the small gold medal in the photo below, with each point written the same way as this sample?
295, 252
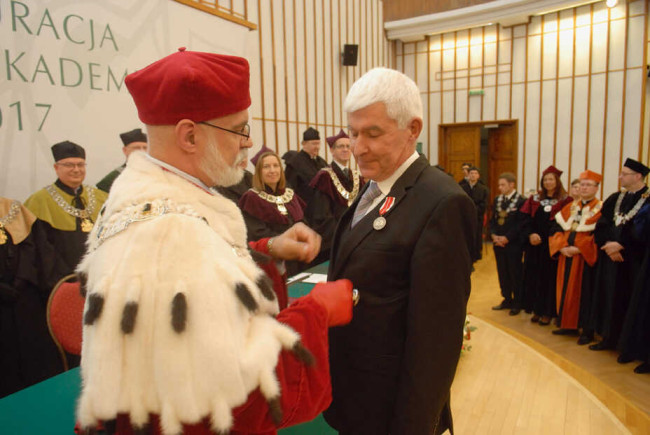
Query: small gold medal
503, 213
86, 225
501, 221
3, 235
574, 226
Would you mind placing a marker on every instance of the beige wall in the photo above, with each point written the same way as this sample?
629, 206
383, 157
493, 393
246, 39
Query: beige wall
576, 80
298, 80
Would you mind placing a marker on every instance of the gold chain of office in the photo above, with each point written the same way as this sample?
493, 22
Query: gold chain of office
278, 200
76, 212
347, 195
13, 212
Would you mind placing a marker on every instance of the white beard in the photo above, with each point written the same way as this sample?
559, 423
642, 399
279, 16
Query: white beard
215, 167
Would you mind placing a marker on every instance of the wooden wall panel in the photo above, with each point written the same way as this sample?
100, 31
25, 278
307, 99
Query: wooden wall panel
574, 79
297, 79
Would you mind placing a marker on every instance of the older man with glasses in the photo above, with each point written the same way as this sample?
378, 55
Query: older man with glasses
335, 188
182, 332
69, 207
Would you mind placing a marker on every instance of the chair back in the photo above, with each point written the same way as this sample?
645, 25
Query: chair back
65, 308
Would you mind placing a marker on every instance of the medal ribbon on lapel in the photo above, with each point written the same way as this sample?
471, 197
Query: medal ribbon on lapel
387, 205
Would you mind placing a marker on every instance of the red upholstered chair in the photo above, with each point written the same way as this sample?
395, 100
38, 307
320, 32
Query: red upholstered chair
64, 316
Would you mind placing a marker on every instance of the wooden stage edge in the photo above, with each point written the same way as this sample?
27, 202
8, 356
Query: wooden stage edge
634, 419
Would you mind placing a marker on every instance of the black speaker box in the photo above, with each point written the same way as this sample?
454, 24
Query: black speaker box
350, 53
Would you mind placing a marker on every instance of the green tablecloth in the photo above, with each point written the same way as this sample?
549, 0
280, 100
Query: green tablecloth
49, 407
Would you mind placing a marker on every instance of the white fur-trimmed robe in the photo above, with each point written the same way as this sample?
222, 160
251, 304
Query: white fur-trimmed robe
225, 348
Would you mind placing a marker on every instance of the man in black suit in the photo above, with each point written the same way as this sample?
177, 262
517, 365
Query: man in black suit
479, 193
302, 166
405, 243
507, 236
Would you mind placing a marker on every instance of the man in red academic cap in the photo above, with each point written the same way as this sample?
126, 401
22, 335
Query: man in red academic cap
180, 326
572, 242
335, 188
621, 256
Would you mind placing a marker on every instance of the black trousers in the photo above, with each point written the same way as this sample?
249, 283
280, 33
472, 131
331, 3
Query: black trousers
510, 270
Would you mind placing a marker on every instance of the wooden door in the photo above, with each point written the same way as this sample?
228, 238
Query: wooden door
502, 146
460, 143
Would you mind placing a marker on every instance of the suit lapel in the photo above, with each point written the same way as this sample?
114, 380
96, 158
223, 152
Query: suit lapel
364, 227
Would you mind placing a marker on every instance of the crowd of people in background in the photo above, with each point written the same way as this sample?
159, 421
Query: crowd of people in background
564, 257
44, 239
575, 260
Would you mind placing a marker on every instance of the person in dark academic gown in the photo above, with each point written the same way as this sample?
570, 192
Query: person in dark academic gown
635, 336
68, 207
539, 269
506, 229
335, 188
621, 254
572, 243
27, 267
269, 207
302, 166
134, 140
480, 194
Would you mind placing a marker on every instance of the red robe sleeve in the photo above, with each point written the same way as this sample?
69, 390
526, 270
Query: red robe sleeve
271, 270
558, 241
587, 245
306, 391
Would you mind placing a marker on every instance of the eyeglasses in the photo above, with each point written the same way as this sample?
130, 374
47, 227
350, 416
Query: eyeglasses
343, 145
244, 132
73, 165
624, 174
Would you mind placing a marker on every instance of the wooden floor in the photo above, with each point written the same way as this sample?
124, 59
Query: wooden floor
519, 378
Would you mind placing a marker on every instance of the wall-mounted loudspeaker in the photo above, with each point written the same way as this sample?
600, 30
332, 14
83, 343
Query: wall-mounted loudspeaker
350, 53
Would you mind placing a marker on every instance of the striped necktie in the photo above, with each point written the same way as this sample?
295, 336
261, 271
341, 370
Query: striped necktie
371, 193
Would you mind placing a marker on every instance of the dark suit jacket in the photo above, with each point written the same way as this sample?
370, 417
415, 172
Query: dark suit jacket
393, 365
514, 227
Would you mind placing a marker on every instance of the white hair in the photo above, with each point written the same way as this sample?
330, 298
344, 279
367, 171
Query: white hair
397, 91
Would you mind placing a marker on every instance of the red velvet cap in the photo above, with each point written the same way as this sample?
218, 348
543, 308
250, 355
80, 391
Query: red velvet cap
591, 175
331, 140
190, 85
552, 170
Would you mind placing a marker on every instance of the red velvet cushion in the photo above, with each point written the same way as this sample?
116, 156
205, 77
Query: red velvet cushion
66, 313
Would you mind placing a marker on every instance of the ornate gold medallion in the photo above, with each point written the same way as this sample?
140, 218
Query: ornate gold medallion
574, 226
86, 225
501, 221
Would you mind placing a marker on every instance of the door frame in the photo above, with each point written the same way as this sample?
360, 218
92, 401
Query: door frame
443, 146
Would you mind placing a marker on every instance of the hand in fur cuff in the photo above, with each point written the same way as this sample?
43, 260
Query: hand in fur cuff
297, 243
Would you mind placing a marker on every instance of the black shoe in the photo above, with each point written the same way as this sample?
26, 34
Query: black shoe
504, 305
514, 311
601, 345
535, 318
585, 339
643, 368
563, 331
624, 358
544, 320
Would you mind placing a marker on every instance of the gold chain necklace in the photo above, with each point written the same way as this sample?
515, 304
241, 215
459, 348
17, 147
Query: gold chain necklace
347, 195
13, 212
84, 214
279, 200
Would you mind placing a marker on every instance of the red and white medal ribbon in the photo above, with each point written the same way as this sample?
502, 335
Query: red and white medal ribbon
380, 222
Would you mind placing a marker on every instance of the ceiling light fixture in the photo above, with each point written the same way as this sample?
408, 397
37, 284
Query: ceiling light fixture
611, 3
